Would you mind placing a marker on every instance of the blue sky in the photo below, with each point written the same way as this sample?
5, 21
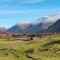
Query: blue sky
14, 11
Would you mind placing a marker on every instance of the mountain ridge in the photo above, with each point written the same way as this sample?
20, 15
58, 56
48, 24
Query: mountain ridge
41, 24
53, 28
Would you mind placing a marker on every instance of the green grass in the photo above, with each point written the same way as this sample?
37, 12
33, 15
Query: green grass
38, 49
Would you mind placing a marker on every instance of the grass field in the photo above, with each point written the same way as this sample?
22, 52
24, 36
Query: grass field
46, 48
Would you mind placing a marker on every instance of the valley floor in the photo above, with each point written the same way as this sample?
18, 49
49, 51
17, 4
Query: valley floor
46, 48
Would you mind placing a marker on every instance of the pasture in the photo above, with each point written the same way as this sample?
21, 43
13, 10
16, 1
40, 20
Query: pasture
45, 48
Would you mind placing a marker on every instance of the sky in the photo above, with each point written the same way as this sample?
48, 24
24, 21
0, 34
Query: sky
15, 11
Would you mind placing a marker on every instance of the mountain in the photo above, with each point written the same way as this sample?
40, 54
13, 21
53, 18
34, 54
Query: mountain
25, 28
53, 28
41, 24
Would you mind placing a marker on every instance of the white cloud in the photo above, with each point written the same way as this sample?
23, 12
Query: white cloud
5, 0
48, 10
18, 11
23, 1
31, 1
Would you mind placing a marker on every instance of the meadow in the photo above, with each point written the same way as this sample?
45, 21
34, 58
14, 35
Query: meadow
45, 48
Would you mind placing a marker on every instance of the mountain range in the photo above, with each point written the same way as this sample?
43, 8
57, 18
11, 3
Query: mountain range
45, 24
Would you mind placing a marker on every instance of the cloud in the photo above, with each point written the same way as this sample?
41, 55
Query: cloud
31, 1
22, 1
18, 11
29, 11
5, 0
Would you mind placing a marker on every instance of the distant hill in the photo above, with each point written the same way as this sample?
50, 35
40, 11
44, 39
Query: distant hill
2, 29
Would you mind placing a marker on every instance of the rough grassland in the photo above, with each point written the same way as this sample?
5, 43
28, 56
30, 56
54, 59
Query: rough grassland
46, 48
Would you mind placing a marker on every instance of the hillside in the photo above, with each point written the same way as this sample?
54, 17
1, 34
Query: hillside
53, 28
25, 28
